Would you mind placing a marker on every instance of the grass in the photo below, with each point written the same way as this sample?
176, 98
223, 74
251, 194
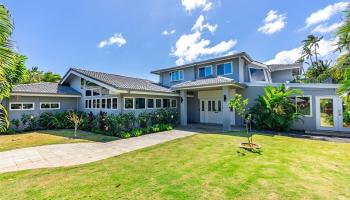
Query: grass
38, 138
205, 166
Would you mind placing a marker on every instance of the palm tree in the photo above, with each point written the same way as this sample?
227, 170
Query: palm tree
310, 46
11, 64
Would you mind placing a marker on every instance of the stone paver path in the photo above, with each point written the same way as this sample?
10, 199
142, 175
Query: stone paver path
79, 153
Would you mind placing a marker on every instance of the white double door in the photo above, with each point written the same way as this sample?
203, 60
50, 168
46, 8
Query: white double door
211, 111
332, 114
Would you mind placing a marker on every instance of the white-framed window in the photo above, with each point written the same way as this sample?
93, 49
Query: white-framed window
158, 103
50, 105
150, 103
166, 103
303, 104
140, 103
128, 103
22, 106
173, 103
257, 75
176, 75
224, 69
205, 71
114, 103
88, 93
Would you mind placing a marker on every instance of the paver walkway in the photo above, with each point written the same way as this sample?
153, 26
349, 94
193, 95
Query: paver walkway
79, 153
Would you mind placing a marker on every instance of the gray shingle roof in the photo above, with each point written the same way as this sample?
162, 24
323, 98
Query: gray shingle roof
205, 82
278, 67
44, 88
123, 82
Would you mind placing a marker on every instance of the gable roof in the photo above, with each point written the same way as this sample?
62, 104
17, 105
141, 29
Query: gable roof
121, 82
223, 58
206, 82
279, 67
44, 88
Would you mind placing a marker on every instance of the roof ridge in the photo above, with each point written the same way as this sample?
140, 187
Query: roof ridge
73, 68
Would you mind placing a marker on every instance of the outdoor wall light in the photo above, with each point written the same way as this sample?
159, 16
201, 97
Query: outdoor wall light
224, 97
181, 99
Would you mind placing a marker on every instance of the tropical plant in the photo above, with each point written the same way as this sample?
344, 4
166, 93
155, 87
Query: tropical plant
274, 110
144, 119
310, 46
11, 64
34, 75
239, 104
76, 120
16, 123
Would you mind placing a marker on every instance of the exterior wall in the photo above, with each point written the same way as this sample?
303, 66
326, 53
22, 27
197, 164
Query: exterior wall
282, 76
66, 103
309, 123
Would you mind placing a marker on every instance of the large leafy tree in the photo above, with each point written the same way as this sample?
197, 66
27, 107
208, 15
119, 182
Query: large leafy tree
34, 75
274, 110
12, 65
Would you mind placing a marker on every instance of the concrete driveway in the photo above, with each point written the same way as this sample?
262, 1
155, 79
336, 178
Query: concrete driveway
79, 153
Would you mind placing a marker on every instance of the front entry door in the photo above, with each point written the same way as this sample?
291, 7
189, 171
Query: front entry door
332, 114
211, 111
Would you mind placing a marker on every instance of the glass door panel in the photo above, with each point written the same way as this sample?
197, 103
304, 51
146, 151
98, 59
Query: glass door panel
326, 113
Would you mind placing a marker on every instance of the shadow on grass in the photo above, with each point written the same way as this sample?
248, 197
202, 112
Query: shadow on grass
83, 135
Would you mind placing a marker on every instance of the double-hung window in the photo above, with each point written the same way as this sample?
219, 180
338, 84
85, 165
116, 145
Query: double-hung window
140, 103
176, 75
21, 106
224, 69
128, 103
205, 71
49, 106
150, 103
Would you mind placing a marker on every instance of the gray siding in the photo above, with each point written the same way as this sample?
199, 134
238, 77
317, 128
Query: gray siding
282, 76
309, 123
66, 103
193, 109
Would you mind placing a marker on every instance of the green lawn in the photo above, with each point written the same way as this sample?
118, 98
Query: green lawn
38, 138
206, 166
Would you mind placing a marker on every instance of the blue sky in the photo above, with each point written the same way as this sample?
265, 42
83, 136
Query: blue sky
133, 37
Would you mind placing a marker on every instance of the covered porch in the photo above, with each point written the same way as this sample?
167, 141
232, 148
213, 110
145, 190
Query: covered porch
206, 101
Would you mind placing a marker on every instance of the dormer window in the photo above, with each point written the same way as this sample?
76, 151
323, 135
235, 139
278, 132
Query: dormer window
257, 75
177, 75
205, 71
224, 69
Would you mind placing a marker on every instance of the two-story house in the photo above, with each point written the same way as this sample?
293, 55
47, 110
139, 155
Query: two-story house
200, 91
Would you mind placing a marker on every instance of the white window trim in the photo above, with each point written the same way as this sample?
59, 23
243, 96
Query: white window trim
154, 103
224, 68
112, 103
311, 109
250, 75
133, 103
22, 105
181, 79
171, 105
59, 105
211, 68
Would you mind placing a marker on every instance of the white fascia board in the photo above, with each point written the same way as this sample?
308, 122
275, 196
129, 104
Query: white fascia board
208, 86
153, 93
43, 95
297, 85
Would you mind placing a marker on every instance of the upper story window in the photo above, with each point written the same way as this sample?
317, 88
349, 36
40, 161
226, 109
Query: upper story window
257, 75
177, 75
205, 71
224, 69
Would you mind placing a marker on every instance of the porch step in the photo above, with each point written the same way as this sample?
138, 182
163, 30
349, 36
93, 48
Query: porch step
330, 133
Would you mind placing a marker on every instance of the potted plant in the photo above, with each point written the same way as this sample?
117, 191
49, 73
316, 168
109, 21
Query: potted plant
238, 103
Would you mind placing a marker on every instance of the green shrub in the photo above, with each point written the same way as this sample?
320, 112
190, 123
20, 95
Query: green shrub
127, 121
16, 123
274, 110
166, 127
155, 128
164, 116
113, 124
136, 132
124, 134
29, 122
144, 119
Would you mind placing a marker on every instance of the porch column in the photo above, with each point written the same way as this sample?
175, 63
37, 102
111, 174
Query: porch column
183, 107
226, 113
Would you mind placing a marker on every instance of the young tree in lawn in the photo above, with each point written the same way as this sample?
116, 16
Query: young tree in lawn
76, 120
239, 104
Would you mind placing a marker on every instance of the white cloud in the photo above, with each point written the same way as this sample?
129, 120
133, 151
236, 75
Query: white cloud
116, 39
194, 4
323, 28
273, 22
199, 25
166, 32
190, 47
326, 13
326, 50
